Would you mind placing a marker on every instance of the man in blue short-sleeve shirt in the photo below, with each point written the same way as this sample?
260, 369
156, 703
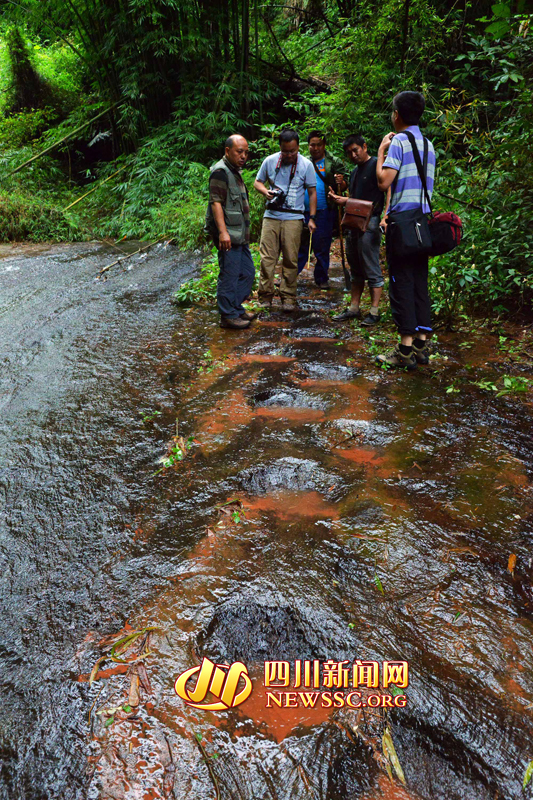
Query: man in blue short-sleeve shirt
408, 275
288, 174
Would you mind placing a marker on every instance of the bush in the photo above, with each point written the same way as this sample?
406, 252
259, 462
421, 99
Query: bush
31, 219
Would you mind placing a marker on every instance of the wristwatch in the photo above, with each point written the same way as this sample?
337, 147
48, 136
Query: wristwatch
312, 216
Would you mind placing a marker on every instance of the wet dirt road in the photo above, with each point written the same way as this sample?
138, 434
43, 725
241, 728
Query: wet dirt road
378, 514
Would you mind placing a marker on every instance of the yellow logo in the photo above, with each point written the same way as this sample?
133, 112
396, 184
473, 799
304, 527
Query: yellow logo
221, 680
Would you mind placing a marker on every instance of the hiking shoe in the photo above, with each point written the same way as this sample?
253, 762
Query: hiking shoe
249, 315
371, 319
421, 353
346, 314
324, 286
288, 305
234, 322
397, 359
266, 303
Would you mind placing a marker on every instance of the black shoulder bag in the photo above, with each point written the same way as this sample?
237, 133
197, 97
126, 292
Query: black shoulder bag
445, 227
408, 231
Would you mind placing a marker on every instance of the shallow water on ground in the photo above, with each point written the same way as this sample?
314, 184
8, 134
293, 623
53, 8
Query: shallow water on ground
379, 512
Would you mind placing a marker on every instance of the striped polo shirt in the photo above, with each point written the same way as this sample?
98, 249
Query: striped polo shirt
407, 193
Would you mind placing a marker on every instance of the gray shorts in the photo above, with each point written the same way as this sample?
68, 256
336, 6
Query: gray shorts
362, 252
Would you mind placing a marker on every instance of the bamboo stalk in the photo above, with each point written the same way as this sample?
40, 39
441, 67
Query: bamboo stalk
100, 183
64, 139
140, 250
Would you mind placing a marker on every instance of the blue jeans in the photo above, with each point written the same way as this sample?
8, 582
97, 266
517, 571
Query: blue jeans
321, 244
235, 280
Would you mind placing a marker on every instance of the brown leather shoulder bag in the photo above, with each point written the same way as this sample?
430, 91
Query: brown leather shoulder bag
357, 214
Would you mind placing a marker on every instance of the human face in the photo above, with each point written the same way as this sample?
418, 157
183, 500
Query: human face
289, 152
237, 155
357, 154
317, 148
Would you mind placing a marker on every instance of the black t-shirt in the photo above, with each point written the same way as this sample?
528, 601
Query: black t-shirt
364, 185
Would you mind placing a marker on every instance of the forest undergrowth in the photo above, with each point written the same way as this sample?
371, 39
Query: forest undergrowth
136, 108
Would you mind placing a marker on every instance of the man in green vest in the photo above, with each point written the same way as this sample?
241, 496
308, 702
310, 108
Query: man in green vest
331, 174
228, 222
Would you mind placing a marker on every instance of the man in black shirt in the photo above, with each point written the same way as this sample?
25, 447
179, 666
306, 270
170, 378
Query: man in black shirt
362, 249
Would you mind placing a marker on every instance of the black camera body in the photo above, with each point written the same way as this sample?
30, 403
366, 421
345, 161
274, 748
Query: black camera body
278, 201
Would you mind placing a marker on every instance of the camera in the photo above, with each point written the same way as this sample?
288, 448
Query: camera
278, 201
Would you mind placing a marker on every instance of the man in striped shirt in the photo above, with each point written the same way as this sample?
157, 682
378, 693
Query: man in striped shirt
408, 276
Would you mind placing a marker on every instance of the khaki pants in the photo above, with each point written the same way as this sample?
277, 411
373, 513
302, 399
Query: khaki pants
279, 236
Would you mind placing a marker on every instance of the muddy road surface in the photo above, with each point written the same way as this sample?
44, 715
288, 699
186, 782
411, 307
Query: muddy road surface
311, 507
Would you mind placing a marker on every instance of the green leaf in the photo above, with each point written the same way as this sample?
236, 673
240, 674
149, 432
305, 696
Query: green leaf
395, 690
379, 584
501, 10
528, 774
109, 722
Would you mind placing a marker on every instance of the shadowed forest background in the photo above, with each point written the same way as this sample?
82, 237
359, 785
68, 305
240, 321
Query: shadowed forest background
165, 81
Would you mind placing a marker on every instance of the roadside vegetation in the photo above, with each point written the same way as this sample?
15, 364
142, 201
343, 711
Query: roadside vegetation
173, 82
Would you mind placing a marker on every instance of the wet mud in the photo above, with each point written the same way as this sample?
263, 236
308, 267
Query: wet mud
322, 509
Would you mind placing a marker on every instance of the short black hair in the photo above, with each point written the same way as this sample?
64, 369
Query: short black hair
354, 138
410, 106
289, 135
317, 135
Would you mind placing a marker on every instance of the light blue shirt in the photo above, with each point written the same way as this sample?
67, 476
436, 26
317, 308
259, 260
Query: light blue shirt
304, 177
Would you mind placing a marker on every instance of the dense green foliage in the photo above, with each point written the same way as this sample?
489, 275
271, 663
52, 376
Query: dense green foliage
179, 76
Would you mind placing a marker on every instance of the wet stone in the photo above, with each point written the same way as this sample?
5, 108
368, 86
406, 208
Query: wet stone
258, 624
288, 398
330, 372
376, 434
294, 474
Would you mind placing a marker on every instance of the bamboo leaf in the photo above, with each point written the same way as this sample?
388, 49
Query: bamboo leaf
528, 774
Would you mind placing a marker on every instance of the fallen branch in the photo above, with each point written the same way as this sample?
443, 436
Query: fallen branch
99, 183
212, 775
463, 202
64, 139
140, 250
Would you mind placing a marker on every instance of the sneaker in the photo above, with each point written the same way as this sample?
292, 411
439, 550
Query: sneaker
288, 305
234, 322
249, 315
266, 303
324, 286
421, 353
347, 314
397, 359
371, 319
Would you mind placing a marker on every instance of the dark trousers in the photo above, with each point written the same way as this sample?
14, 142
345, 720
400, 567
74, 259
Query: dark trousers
321, 244
235, 280
408, 293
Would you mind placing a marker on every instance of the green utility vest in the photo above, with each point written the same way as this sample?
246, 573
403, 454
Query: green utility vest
233, 209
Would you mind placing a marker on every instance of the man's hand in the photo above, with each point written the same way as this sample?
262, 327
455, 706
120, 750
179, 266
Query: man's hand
383, 224
385, 142
341, 183
260, 187
335, 198
224, 241
311, 225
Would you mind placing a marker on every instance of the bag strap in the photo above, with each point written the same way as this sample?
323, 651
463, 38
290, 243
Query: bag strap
322, 177
293, 171
422, 170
